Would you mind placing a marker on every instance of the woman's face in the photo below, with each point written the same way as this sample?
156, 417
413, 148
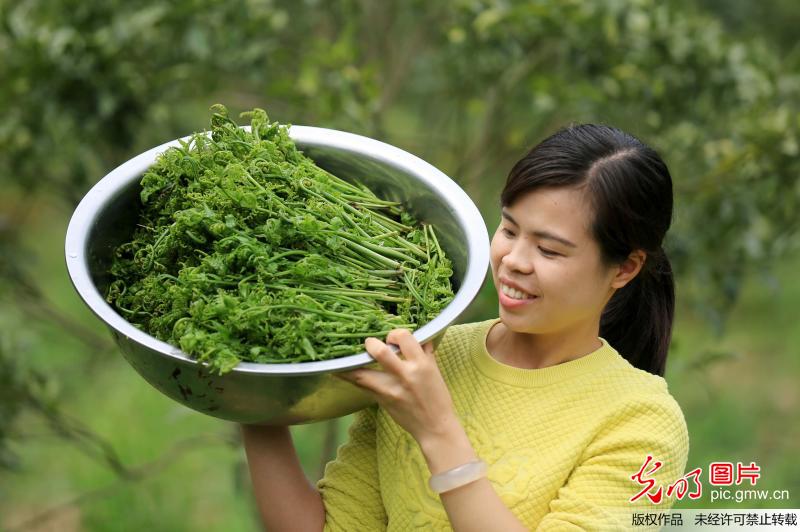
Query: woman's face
543, 246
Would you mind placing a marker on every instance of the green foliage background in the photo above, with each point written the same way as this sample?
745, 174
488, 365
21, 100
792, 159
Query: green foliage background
466, 85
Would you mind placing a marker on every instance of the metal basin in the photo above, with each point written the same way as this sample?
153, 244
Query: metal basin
274, 394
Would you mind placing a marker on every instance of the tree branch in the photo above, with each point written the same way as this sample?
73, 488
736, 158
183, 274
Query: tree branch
177, 451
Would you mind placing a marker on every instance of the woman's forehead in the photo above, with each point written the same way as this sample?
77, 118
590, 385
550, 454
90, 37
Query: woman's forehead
564, 212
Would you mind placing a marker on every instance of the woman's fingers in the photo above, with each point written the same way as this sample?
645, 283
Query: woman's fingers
428, 348
384, 354
396, 369
378, 382
409, 345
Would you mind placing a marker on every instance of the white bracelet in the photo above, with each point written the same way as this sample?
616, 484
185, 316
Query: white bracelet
458, 476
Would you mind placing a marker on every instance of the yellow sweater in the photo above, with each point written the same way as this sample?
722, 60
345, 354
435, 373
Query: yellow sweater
561, 443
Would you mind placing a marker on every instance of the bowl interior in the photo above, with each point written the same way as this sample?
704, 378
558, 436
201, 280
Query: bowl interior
116, 219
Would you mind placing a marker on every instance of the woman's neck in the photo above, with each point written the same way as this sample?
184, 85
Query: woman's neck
536, 351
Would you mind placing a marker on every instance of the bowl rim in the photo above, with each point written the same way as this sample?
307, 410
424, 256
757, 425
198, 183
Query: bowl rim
107, 188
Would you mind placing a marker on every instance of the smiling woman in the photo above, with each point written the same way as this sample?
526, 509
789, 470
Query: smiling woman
552, 283
544, 417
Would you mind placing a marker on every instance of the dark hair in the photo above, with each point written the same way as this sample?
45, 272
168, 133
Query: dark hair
630, 189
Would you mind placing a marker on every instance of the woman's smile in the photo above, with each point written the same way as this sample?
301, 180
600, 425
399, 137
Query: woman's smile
511, 297
512, 302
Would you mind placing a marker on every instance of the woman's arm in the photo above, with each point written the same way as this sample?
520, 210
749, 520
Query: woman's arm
413, 392
285, 498
475, 506
599, 490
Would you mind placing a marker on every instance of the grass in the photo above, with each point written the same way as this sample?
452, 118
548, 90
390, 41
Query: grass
193, 476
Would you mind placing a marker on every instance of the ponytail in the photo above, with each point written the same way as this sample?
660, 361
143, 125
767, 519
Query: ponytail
637, 321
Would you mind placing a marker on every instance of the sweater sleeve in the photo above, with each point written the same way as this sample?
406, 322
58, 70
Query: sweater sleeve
349, 487
597, 493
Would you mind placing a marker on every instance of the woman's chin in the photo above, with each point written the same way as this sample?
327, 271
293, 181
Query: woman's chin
514, 317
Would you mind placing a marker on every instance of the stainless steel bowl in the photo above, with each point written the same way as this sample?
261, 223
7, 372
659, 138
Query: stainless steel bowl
275, 394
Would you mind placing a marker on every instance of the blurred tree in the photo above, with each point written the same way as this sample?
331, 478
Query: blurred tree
780, 18
467, 85
723, 113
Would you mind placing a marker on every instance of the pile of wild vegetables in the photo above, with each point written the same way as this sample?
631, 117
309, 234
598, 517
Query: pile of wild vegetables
245, 250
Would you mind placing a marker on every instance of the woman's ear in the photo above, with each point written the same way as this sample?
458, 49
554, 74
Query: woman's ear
629, 268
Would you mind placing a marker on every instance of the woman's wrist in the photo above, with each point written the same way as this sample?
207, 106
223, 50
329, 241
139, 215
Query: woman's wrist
447, 449
458, 476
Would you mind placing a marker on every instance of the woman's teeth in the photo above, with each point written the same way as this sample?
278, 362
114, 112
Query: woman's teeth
513, 293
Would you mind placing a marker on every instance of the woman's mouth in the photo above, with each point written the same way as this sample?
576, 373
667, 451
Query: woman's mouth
513, 298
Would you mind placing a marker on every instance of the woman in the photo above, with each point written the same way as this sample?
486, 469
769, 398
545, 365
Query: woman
543, 418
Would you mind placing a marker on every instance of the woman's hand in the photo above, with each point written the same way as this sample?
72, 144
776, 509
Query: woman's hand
411, 389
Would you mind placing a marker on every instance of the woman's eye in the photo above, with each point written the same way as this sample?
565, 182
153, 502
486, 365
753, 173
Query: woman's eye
507, 232
548, 253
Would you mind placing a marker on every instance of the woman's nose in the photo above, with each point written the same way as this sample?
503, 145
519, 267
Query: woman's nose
518, 259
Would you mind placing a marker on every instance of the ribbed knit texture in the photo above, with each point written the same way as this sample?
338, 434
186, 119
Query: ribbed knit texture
561, 443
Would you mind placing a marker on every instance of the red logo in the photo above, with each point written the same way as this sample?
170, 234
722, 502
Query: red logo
681, 486
719, 474
751, 472
649, 482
